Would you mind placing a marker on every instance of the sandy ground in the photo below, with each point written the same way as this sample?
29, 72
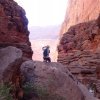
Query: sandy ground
37, 48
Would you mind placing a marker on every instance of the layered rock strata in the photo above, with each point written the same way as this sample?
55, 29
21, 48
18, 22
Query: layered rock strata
80, 11
13, 27
79, 50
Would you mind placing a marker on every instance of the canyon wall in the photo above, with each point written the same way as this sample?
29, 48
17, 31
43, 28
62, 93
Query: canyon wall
79, 46
80, 11
79, 50
18, 72
15, 47
13, 27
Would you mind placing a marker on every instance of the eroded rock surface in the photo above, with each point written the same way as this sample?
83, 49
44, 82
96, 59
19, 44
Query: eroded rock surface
8, 56
80, 11
79, 50
13, 27
55, 79
15, 47
10, 62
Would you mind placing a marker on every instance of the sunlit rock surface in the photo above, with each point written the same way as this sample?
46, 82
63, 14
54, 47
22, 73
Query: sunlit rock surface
80, 11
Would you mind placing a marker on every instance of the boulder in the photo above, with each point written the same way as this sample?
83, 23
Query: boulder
10, 76
55, 79
8, 56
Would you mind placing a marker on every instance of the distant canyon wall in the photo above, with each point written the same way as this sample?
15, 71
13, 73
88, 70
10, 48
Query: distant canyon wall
79, 11
37, 45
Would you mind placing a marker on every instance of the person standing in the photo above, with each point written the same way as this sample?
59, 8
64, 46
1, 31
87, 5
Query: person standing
46, 51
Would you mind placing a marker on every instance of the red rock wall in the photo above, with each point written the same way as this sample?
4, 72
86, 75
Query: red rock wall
13, 27
13, 32
80, 11
79, 47
79, 50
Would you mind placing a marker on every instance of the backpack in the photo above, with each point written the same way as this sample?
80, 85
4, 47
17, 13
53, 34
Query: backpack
45, 53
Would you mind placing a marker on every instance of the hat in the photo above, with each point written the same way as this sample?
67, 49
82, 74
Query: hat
48, 46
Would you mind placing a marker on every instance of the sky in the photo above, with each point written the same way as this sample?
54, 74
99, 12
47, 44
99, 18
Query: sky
44, 12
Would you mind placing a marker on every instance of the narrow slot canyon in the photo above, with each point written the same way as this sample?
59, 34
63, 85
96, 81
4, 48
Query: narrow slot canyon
71, 31
44, 25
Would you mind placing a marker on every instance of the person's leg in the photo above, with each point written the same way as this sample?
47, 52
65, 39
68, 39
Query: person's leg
49, 59
43, 59
46, 59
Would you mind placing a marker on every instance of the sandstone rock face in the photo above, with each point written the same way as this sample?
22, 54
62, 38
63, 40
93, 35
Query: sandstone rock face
13, 27
55, 79
13, 33
79, 50
80, 11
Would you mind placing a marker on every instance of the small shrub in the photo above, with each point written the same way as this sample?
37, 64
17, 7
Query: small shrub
5, 92
41, 93
28, 87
